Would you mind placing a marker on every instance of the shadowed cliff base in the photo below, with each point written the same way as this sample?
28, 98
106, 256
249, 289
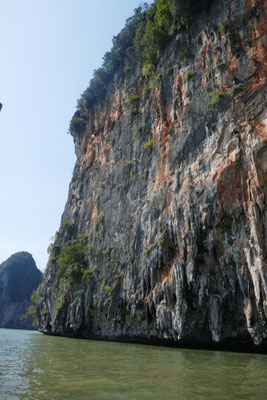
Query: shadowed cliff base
238, 346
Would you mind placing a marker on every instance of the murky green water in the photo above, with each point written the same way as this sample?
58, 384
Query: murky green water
34, 366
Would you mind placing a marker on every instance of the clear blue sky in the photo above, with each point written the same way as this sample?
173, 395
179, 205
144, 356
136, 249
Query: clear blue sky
49, 49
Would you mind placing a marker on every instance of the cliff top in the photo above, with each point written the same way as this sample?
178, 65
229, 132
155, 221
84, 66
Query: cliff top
21, 259
143, 38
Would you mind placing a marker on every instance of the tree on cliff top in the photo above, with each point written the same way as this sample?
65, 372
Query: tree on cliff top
145, 35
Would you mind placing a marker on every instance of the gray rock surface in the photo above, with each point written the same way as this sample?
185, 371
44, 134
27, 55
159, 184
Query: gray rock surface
175, 232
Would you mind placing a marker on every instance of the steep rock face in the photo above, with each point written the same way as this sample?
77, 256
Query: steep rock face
19, 276
169, 191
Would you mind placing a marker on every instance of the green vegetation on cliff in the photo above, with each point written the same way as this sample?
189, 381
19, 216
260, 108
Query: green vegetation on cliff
72, 261
144, 36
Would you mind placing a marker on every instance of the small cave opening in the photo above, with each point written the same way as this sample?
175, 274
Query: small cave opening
151, 312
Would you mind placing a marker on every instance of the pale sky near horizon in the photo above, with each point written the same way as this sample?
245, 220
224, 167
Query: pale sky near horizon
49, 50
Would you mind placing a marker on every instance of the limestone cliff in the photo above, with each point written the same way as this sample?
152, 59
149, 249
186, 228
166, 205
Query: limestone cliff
19, 277
168, 197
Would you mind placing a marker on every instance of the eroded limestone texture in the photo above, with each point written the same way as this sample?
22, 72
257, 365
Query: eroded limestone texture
177, 230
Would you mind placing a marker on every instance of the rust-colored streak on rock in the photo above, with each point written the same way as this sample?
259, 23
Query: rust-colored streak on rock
90, 154
166, 275
164, 139
233, 66
116, 112
96, 153
230, 185
89, 158
261, 130
258, 52
203, 56
250, 4
94, 214
261, 166
162, 173
178, 91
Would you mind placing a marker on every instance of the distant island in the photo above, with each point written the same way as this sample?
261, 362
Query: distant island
19, 277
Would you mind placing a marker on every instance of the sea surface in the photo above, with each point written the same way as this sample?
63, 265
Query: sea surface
34, 366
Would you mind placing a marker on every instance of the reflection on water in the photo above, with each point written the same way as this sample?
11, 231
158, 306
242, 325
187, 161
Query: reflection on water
34, 366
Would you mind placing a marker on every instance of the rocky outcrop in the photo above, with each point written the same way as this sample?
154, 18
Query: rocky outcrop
169, 196
19, 277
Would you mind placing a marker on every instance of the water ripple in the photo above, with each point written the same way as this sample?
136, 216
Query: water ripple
38, 367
